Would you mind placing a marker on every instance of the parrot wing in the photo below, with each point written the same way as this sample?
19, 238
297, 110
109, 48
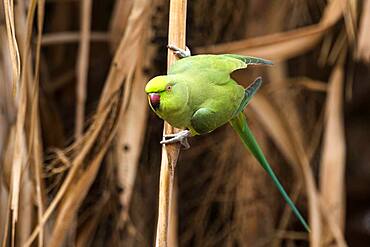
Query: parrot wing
249, 92
202, 121
249, 60
226, 63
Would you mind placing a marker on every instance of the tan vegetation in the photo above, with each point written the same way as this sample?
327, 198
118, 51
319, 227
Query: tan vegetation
80, 159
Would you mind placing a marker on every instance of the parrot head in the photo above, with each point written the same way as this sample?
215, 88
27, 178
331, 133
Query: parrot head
166, 94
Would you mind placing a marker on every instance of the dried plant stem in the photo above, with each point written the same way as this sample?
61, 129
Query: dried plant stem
333, 225
118, 24
333, 157
82, 66
68, 180
35, 135
14, 52
18, 157
170, 153
57, 38
363, 44
130, 136
107, 109
18, 160
129, 139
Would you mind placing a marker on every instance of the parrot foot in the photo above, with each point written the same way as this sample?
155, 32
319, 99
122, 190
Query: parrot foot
180, 53
181, 137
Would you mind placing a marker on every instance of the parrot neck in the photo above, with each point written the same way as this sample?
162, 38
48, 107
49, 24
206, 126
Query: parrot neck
174, 107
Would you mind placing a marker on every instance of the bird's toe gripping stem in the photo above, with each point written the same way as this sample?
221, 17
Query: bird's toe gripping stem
180, 53
181, 137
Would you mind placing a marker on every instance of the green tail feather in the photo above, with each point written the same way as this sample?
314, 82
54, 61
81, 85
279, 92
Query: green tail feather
240, 125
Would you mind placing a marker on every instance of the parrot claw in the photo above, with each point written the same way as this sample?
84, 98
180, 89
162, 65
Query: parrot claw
181, 137
180, 53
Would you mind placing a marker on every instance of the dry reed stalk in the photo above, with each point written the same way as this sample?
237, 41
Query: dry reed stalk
338, 48
74, 195
3, 209
26, 207
35, 132
313, 200
129, 141
333, 225
24, 30
58, 38
121, 67
363, 48
173, 223
20, 153
285, 45
130, 134
312, 85
67, 213
76, 164
13, 46
6, 225
83, 65
7, 108
170, 153
3, 141
121, 12
7, 116
111, 107
19, 142
19, 160
269, 116
349, 11
332, 166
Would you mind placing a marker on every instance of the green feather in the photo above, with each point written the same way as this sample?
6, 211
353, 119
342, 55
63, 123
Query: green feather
239, 124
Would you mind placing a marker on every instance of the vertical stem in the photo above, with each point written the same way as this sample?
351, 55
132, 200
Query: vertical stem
170, 153
83, 64
334, 151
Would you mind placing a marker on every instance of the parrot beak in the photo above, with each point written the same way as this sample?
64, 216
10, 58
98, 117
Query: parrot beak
154, 100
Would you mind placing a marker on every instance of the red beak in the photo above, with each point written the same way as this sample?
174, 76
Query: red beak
154, 99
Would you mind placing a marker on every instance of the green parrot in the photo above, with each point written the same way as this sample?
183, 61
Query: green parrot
198, 95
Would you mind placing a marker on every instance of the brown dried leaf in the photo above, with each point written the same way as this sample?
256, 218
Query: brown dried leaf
334, 151
129, 140
120, 15
282, 46
363, 49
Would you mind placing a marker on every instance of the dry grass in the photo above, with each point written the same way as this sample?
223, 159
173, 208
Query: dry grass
79, 160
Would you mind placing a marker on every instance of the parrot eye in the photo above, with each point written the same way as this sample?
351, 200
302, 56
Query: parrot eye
168, 88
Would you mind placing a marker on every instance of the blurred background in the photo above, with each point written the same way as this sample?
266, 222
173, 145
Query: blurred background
79, 147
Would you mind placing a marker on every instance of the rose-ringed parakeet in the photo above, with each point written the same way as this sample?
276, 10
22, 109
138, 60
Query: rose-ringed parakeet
198, 95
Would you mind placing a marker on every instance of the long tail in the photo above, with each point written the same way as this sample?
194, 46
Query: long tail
239, 124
